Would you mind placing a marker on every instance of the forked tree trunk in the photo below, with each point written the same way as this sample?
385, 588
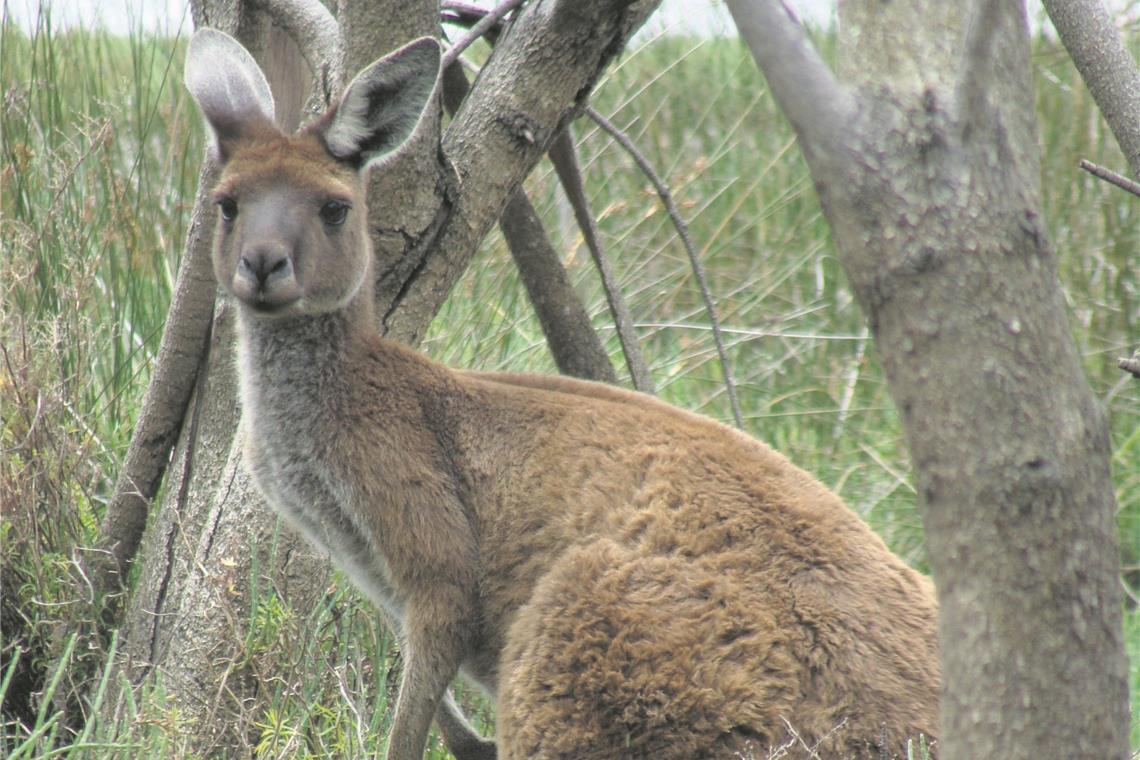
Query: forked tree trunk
190, 613
924, 153
191, 607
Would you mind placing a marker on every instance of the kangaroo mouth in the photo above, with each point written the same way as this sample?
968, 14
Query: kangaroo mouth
267, 308
266, 300
272, 307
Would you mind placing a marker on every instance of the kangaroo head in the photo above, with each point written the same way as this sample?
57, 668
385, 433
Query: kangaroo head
292, 235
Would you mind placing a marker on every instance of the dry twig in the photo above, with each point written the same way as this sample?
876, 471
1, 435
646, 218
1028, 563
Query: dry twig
565, 160
1108, 175
683, 230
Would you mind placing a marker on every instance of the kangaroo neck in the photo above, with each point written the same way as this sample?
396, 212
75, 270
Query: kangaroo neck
293, 361
312, 366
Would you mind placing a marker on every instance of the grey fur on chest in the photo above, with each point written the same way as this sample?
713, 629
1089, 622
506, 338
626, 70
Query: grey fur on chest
292, 439
303, 491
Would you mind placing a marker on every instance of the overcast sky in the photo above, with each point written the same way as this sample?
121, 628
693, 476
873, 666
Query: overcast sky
170, 16
702, 16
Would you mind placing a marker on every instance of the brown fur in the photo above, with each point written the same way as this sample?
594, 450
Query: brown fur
632, 580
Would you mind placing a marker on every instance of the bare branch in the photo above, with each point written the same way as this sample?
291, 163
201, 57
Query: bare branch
816, 104
1130, 365
1112, 76
461, 13
570, 336
535, 83
180, 357
317, 34
1108, 175
666, 196
479, 29
565, 160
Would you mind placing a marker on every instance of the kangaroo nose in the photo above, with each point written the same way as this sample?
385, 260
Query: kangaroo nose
265, 278
266, 266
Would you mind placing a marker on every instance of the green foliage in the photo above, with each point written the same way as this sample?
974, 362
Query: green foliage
100, 152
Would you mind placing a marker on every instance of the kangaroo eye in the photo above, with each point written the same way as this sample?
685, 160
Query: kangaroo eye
334, 212
228, 208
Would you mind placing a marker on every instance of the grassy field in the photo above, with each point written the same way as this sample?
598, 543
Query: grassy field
100, 150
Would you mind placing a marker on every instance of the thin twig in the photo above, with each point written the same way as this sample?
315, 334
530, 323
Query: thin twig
683, 230
849, 385
478, 30
1108, 175
461, 13
1129, 593
565, 159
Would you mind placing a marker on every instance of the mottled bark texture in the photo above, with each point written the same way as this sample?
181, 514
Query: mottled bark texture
536, 82
924, 154
211, 534
1110, 72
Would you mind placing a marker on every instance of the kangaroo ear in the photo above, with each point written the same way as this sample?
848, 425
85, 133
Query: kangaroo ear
383, 105
229, 88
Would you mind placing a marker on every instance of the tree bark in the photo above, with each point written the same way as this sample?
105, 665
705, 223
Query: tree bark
1111, 74
190, 613
536, 82
573, 343
570, 336
925, 162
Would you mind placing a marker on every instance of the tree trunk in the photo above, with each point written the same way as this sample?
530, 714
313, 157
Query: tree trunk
925, 161
189, 612
189, 616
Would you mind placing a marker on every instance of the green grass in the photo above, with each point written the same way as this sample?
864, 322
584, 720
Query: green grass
100, 151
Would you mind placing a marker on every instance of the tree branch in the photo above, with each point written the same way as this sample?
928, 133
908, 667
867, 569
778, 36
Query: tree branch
1111, 74
480, 28
536, 82
180, 355
1130, 365
565, 161
694, 262
570, 336
573, 343
817, 105
1108, 175
310, 24
461, 13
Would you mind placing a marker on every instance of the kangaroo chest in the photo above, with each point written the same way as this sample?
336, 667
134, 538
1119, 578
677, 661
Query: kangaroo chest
294, 449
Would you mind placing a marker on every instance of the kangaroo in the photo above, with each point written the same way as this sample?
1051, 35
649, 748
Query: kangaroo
627, 578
